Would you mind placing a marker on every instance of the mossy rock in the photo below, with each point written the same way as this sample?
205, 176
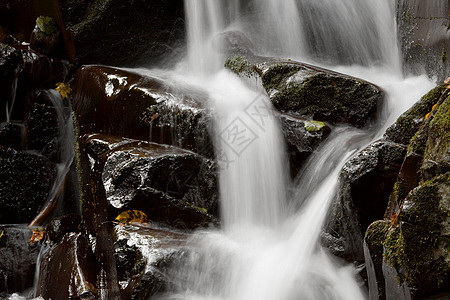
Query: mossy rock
437, 152
409, 122
418, 246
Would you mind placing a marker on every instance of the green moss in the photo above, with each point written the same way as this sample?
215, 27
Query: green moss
409, 122
78, 158
240, 66
412, 247
418, 142
444, 55
46, 24
314, 126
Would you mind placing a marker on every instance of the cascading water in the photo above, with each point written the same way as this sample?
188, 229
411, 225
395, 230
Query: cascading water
266, 249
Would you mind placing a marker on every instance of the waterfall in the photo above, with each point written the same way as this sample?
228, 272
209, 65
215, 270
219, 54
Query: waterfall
267, 250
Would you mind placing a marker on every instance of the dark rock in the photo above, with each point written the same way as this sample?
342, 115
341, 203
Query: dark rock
19, 17
17, 258
302, 137
416, 247
170, 185
12, 135
114, 32
144, 254
25, 181
10, 64
58, 227
365, 182
424, 36
46, 37
310, 91
373, 255
409, 122
68, 269
122, 103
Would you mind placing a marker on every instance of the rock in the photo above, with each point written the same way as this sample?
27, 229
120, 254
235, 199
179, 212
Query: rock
409, 122
135, 30
25, 181
141, 107
373, 256
68, 269
424, 37
170, 185
10, 63
417, 246
19, 17
143, 255
302, 137
310, 91
17, 258
365, 182
58, 227
46, 37
12, 135
437, 151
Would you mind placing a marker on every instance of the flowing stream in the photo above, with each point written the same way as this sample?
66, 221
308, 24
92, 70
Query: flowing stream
268, 249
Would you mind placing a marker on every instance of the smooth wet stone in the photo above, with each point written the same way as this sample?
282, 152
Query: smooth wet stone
46, 37
143, 254
25, 181
365, 182
145, 107
17, 258
68, 269
169, 184
311, 91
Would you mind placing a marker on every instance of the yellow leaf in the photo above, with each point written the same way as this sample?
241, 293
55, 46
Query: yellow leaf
2, 234
131, 216
427, 116
38, 234
63, 88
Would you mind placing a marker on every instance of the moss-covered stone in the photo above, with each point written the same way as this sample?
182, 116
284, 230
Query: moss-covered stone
437, 151
408, 123
418, 246
375, 236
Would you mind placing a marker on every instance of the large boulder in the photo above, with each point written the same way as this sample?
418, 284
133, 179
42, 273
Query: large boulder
310, 91
127, 104
114, 32
171, 185
25, 181
365, 183
424, 35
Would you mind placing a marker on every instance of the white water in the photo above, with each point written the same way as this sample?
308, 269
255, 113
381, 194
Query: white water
269, 249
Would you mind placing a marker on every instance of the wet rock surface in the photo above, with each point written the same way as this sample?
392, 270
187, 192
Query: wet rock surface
143, 254
424, 36
302, 137
123, 103
365, 183
17, 259
310, 91
68, 269
170, 185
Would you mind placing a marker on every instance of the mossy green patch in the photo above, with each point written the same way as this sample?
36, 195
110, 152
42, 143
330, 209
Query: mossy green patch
444, 55
46, 24
240, 66
314, 126
409, 122
418, 243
